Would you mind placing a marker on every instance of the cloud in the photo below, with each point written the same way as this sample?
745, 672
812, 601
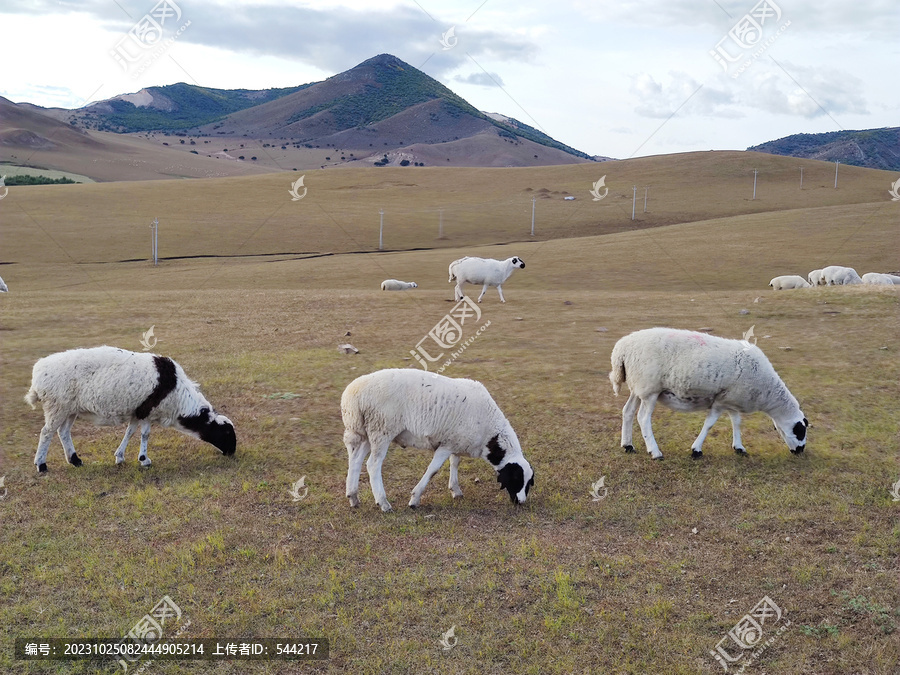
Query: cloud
331, 39
481, 79
681, 93
806, 92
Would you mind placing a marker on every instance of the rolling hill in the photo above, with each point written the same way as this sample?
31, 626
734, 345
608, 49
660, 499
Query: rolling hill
872, 148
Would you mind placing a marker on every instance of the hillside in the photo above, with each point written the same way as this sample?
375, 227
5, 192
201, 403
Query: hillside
173, 107
872, 148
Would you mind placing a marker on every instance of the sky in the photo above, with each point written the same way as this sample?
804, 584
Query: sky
619, 79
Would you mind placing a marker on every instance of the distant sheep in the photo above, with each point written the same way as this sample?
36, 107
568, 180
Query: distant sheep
395, 285
111, 386
688, 371
835, 275
3, 287
815, 278
894, 278
789, 281
876, 279
486, 271
453, 417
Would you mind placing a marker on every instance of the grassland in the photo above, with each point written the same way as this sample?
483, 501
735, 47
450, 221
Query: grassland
563, 584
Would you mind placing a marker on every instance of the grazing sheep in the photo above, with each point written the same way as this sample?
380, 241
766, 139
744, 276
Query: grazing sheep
835, 275
486, 271
111, 386
395, 285
688, 371
815, 278
789, 281
453, 417
895, 279
877, 279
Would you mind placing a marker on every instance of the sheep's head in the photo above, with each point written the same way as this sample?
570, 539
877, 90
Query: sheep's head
518, 262
211, 428
515, 476
794, 434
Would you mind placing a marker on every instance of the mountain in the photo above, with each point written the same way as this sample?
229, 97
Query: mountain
872, 148
383, 104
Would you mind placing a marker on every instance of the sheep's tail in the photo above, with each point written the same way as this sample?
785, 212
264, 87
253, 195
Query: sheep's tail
617, 374
452, 272
32, 397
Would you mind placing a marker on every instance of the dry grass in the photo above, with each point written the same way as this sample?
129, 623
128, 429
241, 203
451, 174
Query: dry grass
561, 585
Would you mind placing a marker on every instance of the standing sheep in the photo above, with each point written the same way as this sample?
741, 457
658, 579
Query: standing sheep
486, 271
789, 281
453, 417
688, 371
111, 386
815, 278
877, 279
836, 275
395, 285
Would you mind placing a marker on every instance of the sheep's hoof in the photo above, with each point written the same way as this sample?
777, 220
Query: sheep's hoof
696, 454
386, 508
75, 460
799, 450
457, 495
42, 468
354, 500
740, 451
658, 457
628, 448
120, 460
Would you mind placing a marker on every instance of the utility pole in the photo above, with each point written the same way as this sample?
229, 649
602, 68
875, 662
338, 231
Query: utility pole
801, 177
754, 182
836, 164
381, 230
441, 224
633, 200
154, 241
645, 199
532, 215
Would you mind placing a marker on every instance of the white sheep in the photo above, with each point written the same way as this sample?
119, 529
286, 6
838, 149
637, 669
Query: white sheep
453, 417
3, 287
815, 278
836, 275
688, 371
895, 279
395, 285
877, 279
486, 271
112, 386
789, 281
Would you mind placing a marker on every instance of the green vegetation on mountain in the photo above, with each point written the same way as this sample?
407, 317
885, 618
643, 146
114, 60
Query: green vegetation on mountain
193, 106
872, 148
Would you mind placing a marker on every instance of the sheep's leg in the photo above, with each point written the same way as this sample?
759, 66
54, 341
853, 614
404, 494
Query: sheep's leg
645, 412
500, 291
145, 439
373, 466
454, 476
357, 449
440, 456
51, 424
65, 437
628, 421
483, 291
697, 446
736, 433
120, 451
459, 295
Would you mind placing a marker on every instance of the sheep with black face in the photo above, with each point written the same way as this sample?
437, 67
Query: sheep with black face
453, 417
688, 371
485, 271
110, 386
